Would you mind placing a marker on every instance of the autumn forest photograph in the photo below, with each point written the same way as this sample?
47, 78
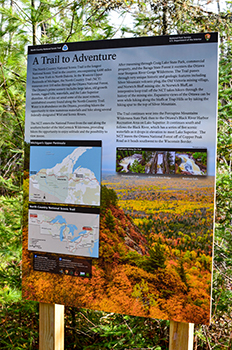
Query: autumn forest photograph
155, 252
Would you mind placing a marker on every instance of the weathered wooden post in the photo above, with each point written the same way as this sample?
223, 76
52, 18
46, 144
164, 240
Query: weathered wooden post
181, 336
51, 327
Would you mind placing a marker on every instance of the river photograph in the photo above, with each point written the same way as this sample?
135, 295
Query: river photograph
161, 161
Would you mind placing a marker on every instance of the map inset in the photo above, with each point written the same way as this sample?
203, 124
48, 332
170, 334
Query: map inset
65, 174
63, 233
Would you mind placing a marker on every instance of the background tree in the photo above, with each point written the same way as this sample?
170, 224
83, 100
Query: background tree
153, 17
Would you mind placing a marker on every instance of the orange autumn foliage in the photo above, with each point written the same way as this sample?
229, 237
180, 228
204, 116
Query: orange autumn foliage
121, 281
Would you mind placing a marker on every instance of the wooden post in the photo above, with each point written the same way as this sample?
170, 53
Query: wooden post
181, 336
51, 327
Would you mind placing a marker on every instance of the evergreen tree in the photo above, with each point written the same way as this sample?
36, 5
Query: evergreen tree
109, 220
182, 273
156, 257
108, 197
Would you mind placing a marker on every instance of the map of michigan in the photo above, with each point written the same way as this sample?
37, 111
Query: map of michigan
74, 179
63, 233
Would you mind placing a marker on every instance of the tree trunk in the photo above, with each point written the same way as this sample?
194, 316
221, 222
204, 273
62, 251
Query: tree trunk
33, 22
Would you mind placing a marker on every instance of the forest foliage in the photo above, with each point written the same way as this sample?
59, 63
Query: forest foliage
37, 22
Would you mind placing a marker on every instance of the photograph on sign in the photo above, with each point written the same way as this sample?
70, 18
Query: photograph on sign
119, 180
161, 161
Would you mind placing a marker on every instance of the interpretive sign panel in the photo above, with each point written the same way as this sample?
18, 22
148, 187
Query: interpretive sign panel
119, 179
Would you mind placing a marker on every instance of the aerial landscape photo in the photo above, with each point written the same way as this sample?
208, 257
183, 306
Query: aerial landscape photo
155, 252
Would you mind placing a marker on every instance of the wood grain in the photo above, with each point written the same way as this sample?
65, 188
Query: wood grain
51, 327
181, 336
